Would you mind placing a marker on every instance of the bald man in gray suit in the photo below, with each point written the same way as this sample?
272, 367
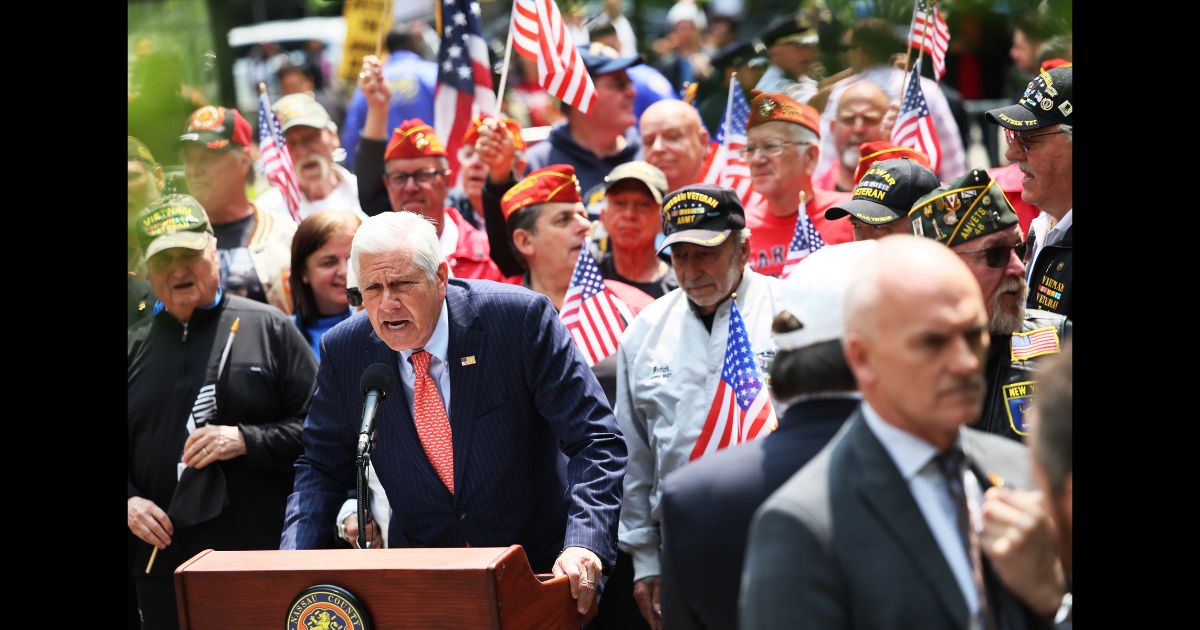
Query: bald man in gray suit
877, 530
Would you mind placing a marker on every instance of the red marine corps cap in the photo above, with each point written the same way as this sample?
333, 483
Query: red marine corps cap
770, 106
511, 126
414, 139
556, 182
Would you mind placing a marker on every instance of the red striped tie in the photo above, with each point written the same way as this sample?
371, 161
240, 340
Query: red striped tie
429, 415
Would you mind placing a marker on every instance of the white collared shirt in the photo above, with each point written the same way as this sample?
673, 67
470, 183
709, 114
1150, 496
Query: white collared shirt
914, 458
437, 347
1046, 236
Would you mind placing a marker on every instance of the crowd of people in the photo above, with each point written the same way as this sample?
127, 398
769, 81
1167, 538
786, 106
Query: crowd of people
870, 431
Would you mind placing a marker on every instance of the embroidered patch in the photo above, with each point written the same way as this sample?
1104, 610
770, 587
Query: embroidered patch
1035, 343
1018, 398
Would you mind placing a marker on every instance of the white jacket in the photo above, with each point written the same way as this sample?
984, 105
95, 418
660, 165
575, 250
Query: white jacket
668, 368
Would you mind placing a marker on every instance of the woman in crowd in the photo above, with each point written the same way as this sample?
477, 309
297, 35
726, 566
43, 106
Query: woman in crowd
320, 259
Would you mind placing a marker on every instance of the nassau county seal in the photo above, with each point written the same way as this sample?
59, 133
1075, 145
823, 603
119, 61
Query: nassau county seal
327, 607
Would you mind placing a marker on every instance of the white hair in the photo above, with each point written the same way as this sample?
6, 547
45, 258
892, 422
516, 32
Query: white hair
398, 232
800, 133
1070, 132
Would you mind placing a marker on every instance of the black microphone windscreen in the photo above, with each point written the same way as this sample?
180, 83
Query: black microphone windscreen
378, 376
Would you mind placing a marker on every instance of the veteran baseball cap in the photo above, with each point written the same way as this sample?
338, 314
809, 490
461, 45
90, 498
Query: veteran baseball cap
963, 210
601, 59
217, 127
1046, 102
302, 110
879, 150
887, 192
644, 172
701, 214
172, 221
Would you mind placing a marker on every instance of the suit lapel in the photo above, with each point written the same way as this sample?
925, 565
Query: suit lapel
886, 494
467, 339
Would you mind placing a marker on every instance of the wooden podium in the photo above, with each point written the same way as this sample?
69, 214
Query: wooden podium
484, 587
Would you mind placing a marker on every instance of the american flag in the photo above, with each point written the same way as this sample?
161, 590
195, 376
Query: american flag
274, 156
914, 128
590, 310
805, 240
540, 35
936, 41
464, 88
724, 166
1034, 343
741, 409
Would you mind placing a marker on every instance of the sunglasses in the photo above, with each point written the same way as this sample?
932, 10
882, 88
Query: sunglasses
997, 257
1022, 139
354, 296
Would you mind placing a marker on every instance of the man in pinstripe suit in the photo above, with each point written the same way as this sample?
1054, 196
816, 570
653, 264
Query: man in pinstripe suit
531, 454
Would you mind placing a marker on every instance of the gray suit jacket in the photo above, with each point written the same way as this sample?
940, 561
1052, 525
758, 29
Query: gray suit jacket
843, 544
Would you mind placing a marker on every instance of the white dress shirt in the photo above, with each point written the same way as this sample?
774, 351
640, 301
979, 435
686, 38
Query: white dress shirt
914, 458
1047, 234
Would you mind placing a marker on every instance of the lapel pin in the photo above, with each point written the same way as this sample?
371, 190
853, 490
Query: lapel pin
465, 361
996, 480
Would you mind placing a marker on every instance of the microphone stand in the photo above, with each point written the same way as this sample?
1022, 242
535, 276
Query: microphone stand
363, 460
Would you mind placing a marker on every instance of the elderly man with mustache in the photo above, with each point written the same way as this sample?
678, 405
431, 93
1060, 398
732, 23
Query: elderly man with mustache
311, 137
974, 218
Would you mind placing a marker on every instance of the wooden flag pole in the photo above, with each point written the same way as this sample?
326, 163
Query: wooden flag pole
908, 38
383, 23
153, 555
507, 57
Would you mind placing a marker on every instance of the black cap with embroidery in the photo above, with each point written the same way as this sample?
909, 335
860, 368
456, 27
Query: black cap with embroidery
1046, 102
701, 214
886, 192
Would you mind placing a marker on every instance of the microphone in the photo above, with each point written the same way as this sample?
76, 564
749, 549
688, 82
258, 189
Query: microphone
377, 382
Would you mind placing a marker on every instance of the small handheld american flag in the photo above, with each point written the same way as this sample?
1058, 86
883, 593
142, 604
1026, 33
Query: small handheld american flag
805, 240
914, 127
741, 409
591, 312
930, 33
725, 166
273, 152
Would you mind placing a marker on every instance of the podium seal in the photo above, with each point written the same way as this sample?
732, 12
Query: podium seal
327, 607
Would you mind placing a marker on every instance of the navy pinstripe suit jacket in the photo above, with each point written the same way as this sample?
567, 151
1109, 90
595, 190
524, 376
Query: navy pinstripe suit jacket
538, 457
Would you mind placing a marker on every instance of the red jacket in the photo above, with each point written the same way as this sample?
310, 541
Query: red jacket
472, 258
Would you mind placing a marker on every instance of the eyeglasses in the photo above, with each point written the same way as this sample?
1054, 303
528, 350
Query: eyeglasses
773, 148
354, 296
997, 257
1022, 139
423, 177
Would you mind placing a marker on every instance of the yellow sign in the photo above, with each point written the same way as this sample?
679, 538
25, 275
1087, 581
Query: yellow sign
367, 21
